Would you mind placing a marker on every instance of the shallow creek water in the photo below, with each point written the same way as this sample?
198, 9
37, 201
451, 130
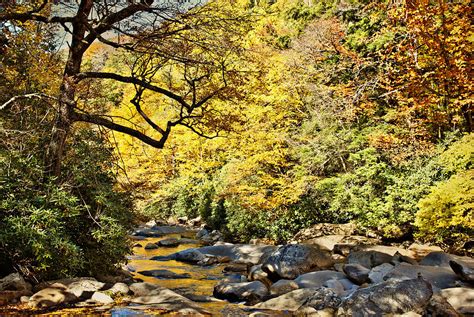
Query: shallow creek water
201, 283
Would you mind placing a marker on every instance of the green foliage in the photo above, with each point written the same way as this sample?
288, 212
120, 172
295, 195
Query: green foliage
75, 227
446, 214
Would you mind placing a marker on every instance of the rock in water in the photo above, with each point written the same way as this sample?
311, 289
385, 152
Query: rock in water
291, 260
237, 292
164, 274
392, 297
171, 242
282, 287
151, 246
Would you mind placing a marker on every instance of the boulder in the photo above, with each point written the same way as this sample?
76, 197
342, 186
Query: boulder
463, 270
460, 298
54, 295
257, 274
282, 287
7, 297
392, 297
310, 311
438, 306
292, 260
142, 289
170, 242
324, 229
102, 298
238, 292
151, 246
322, 298
119, 288
317, 279
14, 282
442, 259
439, 277
164, 274
236, 267
400, 258
165, 299
377, 274
356, 273
84, 288
291, 301
369, 259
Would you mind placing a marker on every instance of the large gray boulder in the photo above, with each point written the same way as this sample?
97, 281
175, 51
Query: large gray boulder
84, 288
292, 260
442, 259
392, 297
463, 270
250, 292
165, 299
318, 278
294, 300
143, 288
439, 277
378, 273
369, 259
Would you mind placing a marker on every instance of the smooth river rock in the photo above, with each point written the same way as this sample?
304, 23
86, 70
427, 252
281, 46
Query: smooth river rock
164, 274
461, 298
292, 260
238, 292
369, 259
439, 277
391, 297
318, 278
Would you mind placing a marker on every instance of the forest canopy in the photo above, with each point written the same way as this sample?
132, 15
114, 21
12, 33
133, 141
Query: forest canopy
262, 117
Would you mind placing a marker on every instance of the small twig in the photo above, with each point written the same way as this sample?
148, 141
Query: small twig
27, 96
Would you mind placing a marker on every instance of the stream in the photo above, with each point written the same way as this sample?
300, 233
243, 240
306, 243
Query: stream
198, 287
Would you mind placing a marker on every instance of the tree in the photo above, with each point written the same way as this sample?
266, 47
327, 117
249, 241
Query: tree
156, 36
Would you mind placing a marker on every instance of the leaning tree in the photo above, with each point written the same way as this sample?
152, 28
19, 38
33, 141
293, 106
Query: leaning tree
196, 39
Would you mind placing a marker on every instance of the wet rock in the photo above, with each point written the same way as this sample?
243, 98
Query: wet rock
237, 292
84, 288
324, 229
392, 297
291, 301
257, 274
165, 299
439, 277
188, 241
292, 260
460, 298
14, 282
244, 253
164, 274
151, 246
463, 270
54, 295
142, 289
236, 267
369, 259
170, 242
102, 298
317, 279
119, 288
234, 278
377, 274
356, 273
137, 245
282, 287
146, 232
165, 230
201, 233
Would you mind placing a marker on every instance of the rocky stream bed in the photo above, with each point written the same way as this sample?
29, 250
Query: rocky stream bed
178, 270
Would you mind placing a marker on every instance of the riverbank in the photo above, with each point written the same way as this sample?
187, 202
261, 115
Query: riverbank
187, 270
